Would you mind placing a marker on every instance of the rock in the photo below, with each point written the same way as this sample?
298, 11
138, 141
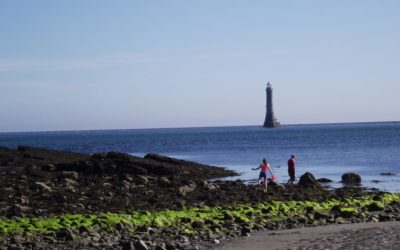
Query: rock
119, 226
211, 235
23, 200
308, 180
27, 156
8, 190
35, 171
184, 190
340, 220
274, 185
378, 196
249, 214
128, 178
70, 183
70, 174
388, 173
183, 239
60, 197
161, 246
212, 187
164, 182
126, 185
99, 156
324, 180
143, 179
245, 231
374, 219
143, 229
216, 241
322, 215
198, 224
149, 193
374, 207
385, 217
309, 210
351, 178
94, 234
347, 214
15, 247
141, 245
292, 223
43, 186
128, 246
49, 168
363, 217
18, 209
84, 229
107, 185
229, 217
170, 246
65, 233
336, 210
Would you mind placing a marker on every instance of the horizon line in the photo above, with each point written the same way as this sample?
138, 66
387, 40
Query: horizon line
193, 127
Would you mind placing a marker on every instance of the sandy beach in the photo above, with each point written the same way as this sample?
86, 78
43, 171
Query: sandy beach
381, 235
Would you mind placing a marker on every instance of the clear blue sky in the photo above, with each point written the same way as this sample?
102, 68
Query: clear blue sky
71, 65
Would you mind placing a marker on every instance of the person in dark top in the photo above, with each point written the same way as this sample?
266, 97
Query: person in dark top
291, 170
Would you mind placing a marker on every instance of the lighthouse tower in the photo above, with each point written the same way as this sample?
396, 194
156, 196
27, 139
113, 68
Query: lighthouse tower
270, 121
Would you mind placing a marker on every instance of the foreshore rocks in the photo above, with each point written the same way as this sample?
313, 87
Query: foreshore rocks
44, 182
201, 227
63, 200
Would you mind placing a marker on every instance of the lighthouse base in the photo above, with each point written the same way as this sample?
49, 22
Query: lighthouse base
271, 124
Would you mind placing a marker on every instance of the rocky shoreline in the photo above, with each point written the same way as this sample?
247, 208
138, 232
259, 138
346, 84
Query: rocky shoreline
62, 200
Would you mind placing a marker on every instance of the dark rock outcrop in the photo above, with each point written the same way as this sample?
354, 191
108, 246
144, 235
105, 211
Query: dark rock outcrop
324, 180
308, 180
351, 178
388, 173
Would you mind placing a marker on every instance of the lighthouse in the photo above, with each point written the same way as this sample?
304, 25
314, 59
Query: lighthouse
270, 121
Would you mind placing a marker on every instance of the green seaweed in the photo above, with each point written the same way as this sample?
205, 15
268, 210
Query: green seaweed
210, 218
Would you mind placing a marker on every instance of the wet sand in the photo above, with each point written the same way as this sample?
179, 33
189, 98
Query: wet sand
381, 235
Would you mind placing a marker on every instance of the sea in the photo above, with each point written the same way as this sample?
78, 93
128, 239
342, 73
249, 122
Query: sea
325, 150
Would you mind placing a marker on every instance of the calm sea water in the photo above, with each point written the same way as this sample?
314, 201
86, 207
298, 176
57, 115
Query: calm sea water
327, 150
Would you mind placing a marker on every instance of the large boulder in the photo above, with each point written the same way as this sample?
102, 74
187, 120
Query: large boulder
351, 178
308, 180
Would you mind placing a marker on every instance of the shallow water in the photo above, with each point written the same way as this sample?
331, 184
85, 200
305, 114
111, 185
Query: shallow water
326, 150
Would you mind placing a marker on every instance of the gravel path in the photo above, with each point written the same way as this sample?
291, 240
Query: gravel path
384, 235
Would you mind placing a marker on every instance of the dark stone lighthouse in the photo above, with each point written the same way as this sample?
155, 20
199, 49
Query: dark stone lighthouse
270, 121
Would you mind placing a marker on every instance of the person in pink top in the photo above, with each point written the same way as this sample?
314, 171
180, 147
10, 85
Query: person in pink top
264, 166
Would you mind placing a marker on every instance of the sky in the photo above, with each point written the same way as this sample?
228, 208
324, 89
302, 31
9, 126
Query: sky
79, 65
